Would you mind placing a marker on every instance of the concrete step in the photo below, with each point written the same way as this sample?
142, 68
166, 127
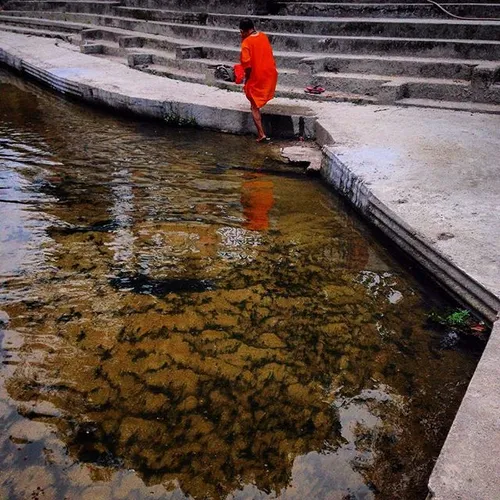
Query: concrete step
340, 86
302, 68
287, 76
385, 88
106, 48
316, 26
375, 85
68, 37
310, 63
399, 10
175, 73
132, 40
435, 88
177, 16
402, 11
462, 48
241, 7
384, 1
40, 23
352, 26
281, 90
473, 107
392, 66
100, 7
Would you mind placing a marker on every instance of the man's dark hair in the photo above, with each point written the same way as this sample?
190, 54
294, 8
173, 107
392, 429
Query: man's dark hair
246, 24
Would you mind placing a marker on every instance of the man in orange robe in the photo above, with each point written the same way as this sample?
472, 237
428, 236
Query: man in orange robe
261, 75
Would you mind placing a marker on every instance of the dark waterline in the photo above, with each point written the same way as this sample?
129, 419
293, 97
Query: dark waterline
177, 325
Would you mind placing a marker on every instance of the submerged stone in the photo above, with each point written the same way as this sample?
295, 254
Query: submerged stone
141, 283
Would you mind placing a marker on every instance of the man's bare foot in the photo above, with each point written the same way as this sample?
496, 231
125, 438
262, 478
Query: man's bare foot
264, 138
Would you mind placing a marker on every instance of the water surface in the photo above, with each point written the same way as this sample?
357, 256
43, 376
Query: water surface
177, 325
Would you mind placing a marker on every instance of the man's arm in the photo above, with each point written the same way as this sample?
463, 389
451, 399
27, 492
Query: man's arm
248, 72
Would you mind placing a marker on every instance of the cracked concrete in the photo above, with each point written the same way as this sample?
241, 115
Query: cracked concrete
428, 178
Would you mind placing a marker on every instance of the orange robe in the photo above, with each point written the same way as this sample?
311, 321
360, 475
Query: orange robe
257, 53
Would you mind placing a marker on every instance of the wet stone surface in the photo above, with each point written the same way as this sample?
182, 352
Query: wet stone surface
174, 327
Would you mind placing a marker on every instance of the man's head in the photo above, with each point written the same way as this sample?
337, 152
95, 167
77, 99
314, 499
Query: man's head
246, 28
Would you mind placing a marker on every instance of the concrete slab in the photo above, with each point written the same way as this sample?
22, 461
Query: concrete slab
306, 154
434, 175
427, 177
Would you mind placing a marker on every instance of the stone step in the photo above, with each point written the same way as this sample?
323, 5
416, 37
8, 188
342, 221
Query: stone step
39, 23
68, 37
307, 64
281, 90
310, 63
177, 16
241, 7
383, 87
345, 86
375, 85
463, 48
104, 47
388, 27
175, 73
473, 107
166, 63
399, 10
316, 26
402, 11
100, 7
299, 93
132, 40
446, 2
392, 66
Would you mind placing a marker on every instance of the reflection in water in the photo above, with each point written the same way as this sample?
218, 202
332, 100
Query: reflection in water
257, 200
175, 329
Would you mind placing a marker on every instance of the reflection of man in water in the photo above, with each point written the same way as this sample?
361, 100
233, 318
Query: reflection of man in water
257, 200
261, 75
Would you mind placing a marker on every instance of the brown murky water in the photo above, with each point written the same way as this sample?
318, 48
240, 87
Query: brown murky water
174, 327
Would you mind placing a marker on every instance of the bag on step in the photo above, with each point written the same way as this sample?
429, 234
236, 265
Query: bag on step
224, 73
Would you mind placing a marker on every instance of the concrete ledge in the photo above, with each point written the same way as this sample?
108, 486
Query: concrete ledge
116, 86
452, 278
468, 467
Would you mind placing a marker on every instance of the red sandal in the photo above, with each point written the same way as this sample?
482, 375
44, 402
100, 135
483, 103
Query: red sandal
316, 89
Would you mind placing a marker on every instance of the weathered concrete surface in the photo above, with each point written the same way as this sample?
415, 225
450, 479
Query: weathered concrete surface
429, 178
306, 154
469, 466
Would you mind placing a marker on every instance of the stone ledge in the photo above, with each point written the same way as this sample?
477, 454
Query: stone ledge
118, 87
468, 466
450, 276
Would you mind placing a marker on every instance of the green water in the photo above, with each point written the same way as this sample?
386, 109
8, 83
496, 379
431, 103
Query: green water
176, 325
